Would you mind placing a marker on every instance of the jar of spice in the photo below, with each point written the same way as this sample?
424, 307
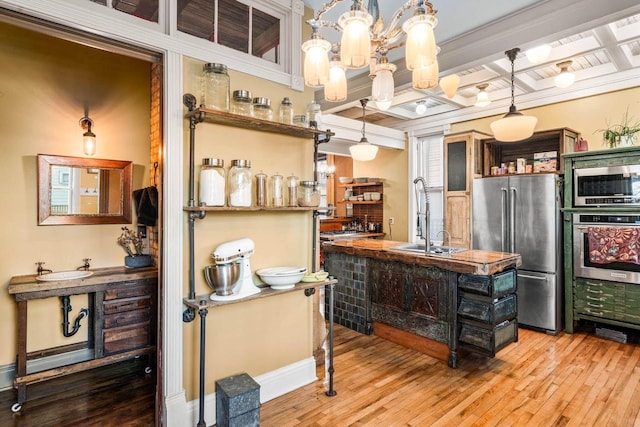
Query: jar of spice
212, 182
262, 108
241, 103
292, 189
240, 183
215, 87
308, 194
261, 189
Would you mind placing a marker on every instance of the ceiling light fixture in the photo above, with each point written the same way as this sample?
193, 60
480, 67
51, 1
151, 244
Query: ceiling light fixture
88, 138
538, 54
449, 84
566, 78
363, 151
421, 107
365, 41
383, 86
336, 87
482, 98
514, 126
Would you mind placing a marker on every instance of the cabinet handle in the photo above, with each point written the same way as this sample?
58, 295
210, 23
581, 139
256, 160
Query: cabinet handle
598, 313
595, 305
599, 291
594, 299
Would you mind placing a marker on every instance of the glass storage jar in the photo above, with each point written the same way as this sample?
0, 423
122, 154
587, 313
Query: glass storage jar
241, 103
285, 114
212, 182
308, 194
215, 87
262, 108
292, 189
300, 120
240, 183
261, 189
314, 115
277, 197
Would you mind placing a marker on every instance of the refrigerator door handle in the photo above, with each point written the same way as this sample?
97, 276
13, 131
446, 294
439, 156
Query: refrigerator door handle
528, 276
503, 226
512, 219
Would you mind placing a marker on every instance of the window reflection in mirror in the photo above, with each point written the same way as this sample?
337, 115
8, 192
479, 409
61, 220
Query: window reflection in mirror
77, 190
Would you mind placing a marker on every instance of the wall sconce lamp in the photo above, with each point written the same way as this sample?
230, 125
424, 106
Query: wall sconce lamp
566, 77
88, 138
482, 98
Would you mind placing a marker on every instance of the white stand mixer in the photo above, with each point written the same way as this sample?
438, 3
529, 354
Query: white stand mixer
237, 251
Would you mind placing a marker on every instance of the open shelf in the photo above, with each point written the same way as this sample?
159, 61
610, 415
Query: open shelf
359, 184
250, 209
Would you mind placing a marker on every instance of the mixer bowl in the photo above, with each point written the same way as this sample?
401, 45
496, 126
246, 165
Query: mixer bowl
223, 278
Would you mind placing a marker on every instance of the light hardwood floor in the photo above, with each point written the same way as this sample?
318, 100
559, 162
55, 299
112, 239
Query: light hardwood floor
567, 380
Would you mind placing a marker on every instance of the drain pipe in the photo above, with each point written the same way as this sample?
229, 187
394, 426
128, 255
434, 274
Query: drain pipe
66, 308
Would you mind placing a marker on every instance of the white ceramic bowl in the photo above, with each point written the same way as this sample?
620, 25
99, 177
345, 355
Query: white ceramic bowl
281, 277
345, 179
375, 196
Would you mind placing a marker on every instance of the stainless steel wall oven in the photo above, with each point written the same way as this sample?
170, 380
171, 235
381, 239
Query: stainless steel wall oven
607, 246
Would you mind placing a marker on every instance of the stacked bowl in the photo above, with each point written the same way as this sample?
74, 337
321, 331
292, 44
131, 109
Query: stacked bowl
281, 277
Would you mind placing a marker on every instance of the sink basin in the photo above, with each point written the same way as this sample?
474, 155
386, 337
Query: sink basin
64, 275
418, 248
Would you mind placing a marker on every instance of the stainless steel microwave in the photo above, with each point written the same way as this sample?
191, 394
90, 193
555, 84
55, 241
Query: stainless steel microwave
607, 186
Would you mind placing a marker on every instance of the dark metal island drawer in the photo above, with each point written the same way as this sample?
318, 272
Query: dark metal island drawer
488, 341
487, 311
494, 286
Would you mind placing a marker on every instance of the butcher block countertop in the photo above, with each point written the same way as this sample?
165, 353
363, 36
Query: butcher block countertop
469, 262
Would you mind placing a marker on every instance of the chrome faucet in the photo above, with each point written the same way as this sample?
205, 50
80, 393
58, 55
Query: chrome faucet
445, 232
424, 218
41, 269
86, 266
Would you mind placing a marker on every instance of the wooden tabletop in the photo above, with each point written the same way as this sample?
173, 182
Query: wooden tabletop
470, 261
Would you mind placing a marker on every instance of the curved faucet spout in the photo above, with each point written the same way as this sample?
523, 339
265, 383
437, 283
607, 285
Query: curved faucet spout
423, 220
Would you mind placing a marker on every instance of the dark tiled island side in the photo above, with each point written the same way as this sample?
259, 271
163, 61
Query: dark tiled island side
411, 298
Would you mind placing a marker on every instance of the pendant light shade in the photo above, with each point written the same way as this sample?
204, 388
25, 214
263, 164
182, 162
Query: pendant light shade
449, 85
538, 54
425, 77
356, 41
383, 86
335, 89
316, 61
566, 78
363, 151
514, 126
420, 49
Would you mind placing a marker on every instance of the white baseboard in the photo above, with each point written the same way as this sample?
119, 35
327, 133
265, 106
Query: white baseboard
8, 372
272, 384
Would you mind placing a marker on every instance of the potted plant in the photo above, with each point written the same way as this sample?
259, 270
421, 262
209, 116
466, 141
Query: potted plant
132, 244
623, 134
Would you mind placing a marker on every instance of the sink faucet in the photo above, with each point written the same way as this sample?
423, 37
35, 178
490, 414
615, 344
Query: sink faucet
86, 265
445, 233
41, 269
424, 218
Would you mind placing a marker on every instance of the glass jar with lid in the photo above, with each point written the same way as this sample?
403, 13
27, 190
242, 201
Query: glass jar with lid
212, 182
292, 190
242, 103
308, 194
285, 114
240, 183
215, 87
261, 189
314, 115
262, 108
277, 196
300, 120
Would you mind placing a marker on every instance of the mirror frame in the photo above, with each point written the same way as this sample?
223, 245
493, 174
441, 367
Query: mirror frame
45, 161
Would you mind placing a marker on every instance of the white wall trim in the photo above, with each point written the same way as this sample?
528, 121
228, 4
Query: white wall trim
272, 384
351, 130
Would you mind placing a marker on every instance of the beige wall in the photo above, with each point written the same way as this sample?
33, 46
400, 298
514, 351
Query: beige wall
586, 115
263, 335
45, 85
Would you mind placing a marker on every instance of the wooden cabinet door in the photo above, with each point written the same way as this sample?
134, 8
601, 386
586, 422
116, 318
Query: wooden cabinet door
457, 222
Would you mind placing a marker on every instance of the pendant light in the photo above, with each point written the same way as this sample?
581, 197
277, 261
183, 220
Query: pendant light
316, 61
335, 90
363, 151
482, 98
420, 48
356, 40
566, 78
425, 77
449, 85
383, 87
514, 126
538, 54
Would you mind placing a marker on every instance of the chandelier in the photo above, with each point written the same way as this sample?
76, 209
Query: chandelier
366, 41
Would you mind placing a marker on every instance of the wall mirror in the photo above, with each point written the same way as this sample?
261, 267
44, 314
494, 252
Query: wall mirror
78, 190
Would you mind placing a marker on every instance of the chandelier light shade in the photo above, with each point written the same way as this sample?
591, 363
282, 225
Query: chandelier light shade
356, 41
514, 126
363, 151
335, 90
566, 78
420, 48
482, 98
425, 77
88, 137
538, 54
383, 86
449, 84
316, 61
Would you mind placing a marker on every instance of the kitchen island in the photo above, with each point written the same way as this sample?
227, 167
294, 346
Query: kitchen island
433, 303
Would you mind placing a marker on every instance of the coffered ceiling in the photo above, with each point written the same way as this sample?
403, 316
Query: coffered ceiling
601, 39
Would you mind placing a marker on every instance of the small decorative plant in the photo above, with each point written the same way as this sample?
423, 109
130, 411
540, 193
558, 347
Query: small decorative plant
624, 133
131, 242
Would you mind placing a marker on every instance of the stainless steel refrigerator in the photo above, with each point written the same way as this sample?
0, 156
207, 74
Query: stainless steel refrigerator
521, 214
